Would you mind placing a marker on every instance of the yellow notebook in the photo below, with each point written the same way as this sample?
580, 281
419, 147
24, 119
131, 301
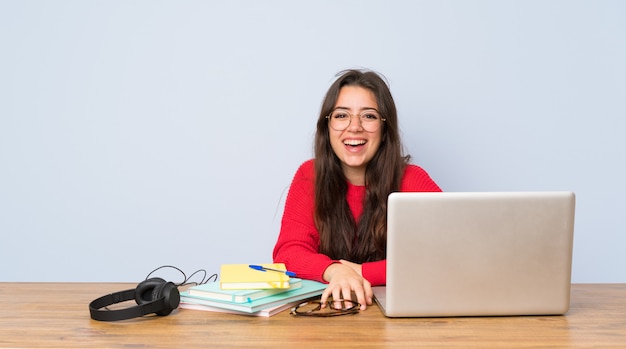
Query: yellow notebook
242, 277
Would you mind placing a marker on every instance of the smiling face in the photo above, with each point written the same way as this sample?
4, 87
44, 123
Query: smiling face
354, 146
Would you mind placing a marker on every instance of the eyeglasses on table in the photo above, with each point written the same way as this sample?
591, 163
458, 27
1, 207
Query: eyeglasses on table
335, 307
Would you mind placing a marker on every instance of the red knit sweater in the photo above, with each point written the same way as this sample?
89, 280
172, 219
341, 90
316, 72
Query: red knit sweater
298, 241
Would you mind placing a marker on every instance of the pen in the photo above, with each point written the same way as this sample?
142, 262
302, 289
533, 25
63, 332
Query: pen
262, 268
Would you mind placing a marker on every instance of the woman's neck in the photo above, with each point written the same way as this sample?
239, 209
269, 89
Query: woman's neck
356, 176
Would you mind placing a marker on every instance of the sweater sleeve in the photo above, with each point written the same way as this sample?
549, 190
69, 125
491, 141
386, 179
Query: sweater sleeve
298, 241
375, 272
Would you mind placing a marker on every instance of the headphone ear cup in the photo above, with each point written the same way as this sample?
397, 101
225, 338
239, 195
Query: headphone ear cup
169, 291
145, 290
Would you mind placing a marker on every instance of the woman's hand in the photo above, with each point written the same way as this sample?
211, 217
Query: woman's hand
345, 278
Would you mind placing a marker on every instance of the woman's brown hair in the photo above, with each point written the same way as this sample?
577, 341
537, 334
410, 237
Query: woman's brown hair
340, 236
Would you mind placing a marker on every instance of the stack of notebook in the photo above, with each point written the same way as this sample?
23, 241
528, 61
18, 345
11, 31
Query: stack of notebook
257, 290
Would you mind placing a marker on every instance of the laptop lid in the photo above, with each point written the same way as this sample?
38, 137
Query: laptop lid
478, 254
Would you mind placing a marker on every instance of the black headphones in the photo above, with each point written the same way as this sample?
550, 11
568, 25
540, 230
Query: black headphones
153, 295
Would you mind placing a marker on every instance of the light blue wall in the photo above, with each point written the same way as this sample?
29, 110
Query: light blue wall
140, 133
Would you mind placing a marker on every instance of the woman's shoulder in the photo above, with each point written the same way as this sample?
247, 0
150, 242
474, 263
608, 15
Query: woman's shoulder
415, 178
306, 171
308, 165
303, 180
307, 168
414, 170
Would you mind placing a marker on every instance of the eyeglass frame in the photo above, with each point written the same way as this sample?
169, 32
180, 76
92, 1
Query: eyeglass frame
354, 309
360, 115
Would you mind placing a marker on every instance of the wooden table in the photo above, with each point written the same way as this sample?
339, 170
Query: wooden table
55, 315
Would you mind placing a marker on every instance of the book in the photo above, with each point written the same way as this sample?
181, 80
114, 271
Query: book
242, 277
309, 289
213, 290
267, 312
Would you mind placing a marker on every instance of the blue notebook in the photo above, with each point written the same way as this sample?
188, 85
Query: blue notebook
308, 290
213, 291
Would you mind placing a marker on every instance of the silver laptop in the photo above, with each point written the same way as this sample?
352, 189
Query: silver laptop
478, 254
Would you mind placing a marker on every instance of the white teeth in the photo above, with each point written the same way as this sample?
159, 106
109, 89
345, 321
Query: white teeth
354, 142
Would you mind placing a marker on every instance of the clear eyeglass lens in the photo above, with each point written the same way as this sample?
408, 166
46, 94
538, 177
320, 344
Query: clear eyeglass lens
341, 119
309, 307
313, 308
341, 305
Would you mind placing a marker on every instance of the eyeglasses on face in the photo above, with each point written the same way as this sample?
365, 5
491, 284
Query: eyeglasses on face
370, 119
333, 308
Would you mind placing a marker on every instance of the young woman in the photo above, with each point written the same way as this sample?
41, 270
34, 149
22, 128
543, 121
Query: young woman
334, 226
